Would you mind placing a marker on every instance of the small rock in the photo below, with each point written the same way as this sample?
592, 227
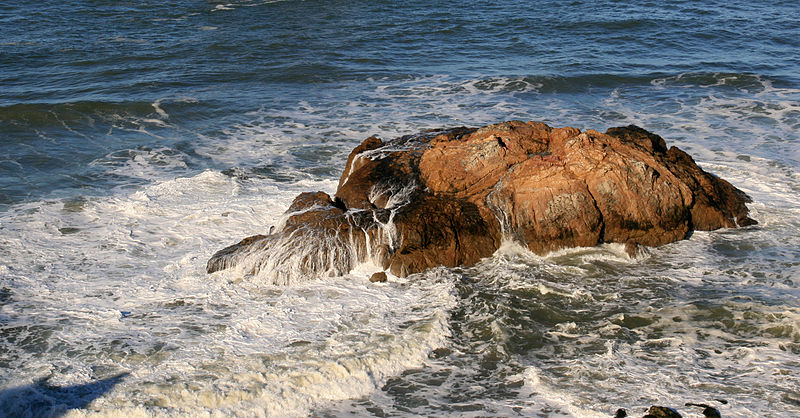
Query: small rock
662, 412
378, 277
708, 411
621, 413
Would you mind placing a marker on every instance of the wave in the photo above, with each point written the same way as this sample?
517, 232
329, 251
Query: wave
58, 114
62, 147
440, 85
89, 112
752, 83
739, 81
556, 84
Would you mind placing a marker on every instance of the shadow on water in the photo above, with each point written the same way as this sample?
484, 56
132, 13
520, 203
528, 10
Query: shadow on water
41, 399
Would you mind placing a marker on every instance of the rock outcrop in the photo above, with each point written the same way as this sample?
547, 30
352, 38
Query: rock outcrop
662, 412
656, 411
451, 197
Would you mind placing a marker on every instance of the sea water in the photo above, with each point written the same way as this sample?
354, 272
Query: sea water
137, 139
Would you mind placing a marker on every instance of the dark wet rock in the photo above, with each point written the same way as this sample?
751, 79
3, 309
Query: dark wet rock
662, 412
378, 277
708, 411
222, 259
451, 197
621, 413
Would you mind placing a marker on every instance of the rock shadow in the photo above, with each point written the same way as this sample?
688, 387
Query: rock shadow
41, 399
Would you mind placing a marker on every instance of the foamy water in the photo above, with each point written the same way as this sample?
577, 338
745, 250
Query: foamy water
114, 285
120, 287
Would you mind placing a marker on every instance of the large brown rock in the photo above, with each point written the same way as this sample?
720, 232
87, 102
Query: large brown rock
451, 197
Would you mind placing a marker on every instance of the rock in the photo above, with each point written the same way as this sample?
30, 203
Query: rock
662, 412
451, 197
378, 277
708, 411
621, 413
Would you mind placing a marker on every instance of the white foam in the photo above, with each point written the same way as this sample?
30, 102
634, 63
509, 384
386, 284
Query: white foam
565, 404
705, 357
157, 106
145, 164
190, 340
611, 252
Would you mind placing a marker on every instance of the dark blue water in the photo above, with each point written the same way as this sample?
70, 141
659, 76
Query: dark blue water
78, 78
135, 139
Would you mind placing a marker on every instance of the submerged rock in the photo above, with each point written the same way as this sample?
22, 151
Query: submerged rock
662, 412
708, 410
667, 412
451, 197
378, 277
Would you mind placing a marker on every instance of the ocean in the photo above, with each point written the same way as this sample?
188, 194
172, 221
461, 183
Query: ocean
138, 138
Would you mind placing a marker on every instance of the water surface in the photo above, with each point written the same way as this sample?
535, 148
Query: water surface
136, 140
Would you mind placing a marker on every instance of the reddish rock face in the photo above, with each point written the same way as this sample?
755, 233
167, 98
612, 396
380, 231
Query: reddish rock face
451, 197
